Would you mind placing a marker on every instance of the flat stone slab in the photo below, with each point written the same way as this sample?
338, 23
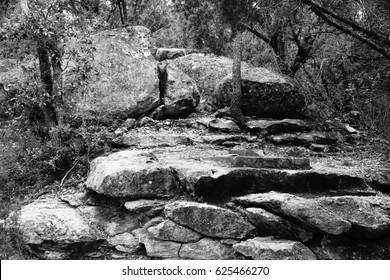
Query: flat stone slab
131, 174
264, 162
244, 180
307, 212
224, 125
269, 224
152, 141
305, 138
145, 205
268, 127
369, 216
171, 231
164, 173
220, 139
269, 248
209, 220
245, 152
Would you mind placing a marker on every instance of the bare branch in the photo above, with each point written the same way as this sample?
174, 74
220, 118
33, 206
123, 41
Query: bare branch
344, 29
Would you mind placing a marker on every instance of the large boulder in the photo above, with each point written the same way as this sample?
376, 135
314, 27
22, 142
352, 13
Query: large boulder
54, 230
207, 71
123, 78
178, 92
264, 94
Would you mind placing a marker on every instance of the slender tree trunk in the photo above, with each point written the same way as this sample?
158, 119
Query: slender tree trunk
45, 69
49, 116
57, 73
124, 10
136, 5
235, 102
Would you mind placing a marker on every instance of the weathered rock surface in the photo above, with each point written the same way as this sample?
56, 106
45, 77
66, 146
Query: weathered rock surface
171, 53
170, 231
164, 173
145, 205
112, 221
206, 249
152, 140
208, 220
269, 248
264, 94
369, 216
221, 139
207, 71
268, 127
131, 174
305, 138
269, 224
308, 212
125, 242
53, 230
264, 162
381, 180
224, 125
179, 94
157, 248
238, 181
245, 152
124, 79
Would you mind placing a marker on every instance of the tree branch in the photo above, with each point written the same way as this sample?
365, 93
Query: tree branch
255, 32
362, 39
350, 23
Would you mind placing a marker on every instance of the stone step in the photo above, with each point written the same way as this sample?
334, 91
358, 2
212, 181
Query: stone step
269, 127
305, 138
250, 180
264, 162
360, 217
166, 173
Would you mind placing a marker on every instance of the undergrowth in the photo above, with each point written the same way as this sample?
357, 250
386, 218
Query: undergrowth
31, 165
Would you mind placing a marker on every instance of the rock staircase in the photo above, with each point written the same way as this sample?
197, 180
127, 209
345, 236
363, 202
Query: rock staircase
184, 197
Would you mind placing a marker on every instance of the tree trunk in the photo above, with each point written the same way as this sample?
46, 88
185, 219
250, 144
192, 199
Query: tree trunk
124, 10
235, 102
136, 6
45, 69
48, 117
57, 74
